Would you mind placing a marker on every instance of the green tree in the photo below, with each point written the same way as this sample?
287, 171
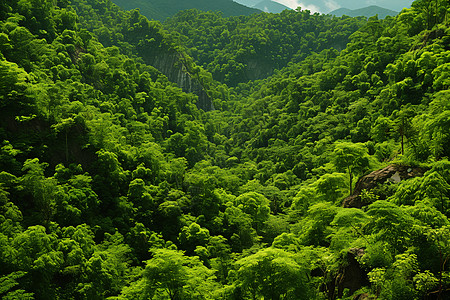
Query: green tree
64, 125
352, 158
331, 186
171, 274
107, 268
396, 282
43, 190
392, 224
255, 205
221, 258
272, 274
315, 228
403, 125
237, 228
110, 178
193, 236
441, 237
435, 133
36, 253
7, 285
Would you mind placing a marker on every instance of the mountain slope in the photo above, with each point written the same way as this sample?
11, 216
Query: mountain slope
271, 6
249, 3
163, 9
114, 185
236, 50
365, 12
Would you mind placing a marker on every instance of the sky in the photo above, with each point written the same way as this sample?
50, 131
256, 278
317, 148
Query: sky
325, 6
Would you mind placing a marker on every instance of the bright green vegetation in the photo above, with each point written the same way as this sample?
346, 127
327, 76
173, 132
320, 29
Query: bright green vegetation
114, 184
238, 49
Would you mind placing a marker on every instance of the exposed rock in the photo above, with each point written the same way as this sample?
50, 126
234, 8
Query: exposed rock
171, 65
350, 276
357, 252
389, 174
364, 296
258, 68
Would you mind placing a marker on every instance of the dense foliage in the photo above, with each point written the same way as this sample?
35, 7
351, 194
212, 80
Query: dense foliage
240, 49
114, 184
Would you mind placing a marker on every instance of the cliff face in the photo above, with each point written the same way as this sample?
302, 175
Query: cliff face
258, 69
172, 66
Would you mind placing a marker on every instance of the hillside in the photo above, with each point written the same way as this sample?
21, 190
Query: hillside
270, 6
365, 12
163, 9
239, 49
328, 178
248, 3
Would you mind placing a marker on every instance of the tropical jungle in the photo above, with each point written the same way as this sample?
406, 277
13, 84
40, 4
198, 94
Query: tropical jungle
295, 155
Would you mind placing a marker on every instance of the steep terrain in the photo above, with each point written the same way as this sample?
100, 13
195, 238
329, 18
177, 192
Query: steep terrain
148, 40
328, 178
237, 50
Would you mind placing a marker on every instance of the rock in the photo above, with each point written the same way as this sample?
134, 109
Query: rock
172, 64
350, 275
357, 252
395, 178
364, 296
390, 174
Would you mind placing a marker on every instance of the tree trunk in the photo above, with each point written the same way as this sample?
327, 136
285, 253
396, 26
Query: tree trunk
350, 175
67, 149
403, 143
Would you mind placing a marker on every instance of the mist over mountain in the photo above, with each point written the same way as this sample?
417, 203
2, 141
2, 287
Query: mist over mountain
326, 6
271, 6
395, 5
365, 12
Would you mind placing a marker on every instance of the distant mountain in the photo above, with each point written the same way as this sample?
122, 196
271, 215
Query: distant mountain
366, 12
271, 6
249, 3
163, 9
342, 11
326, 6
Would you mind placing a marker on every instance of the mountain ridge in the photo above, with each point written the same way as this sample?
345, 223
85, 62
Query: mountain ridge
368, 11
163, 9
271, 6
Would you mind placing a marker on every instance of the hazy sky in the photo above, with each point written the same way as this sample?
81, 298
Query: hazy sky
325, 6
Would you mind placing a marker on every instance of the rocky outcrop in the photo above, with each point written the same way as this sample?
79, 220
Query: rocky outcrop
258, 69
172, 66
389, 174
350, 276
364, 296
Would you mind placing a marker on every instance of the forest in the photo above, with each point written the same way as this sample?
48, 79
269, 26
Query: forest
269, 156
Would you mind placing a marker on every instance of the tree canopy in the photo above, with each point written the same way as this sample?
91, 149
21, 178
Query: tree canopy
214, 157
